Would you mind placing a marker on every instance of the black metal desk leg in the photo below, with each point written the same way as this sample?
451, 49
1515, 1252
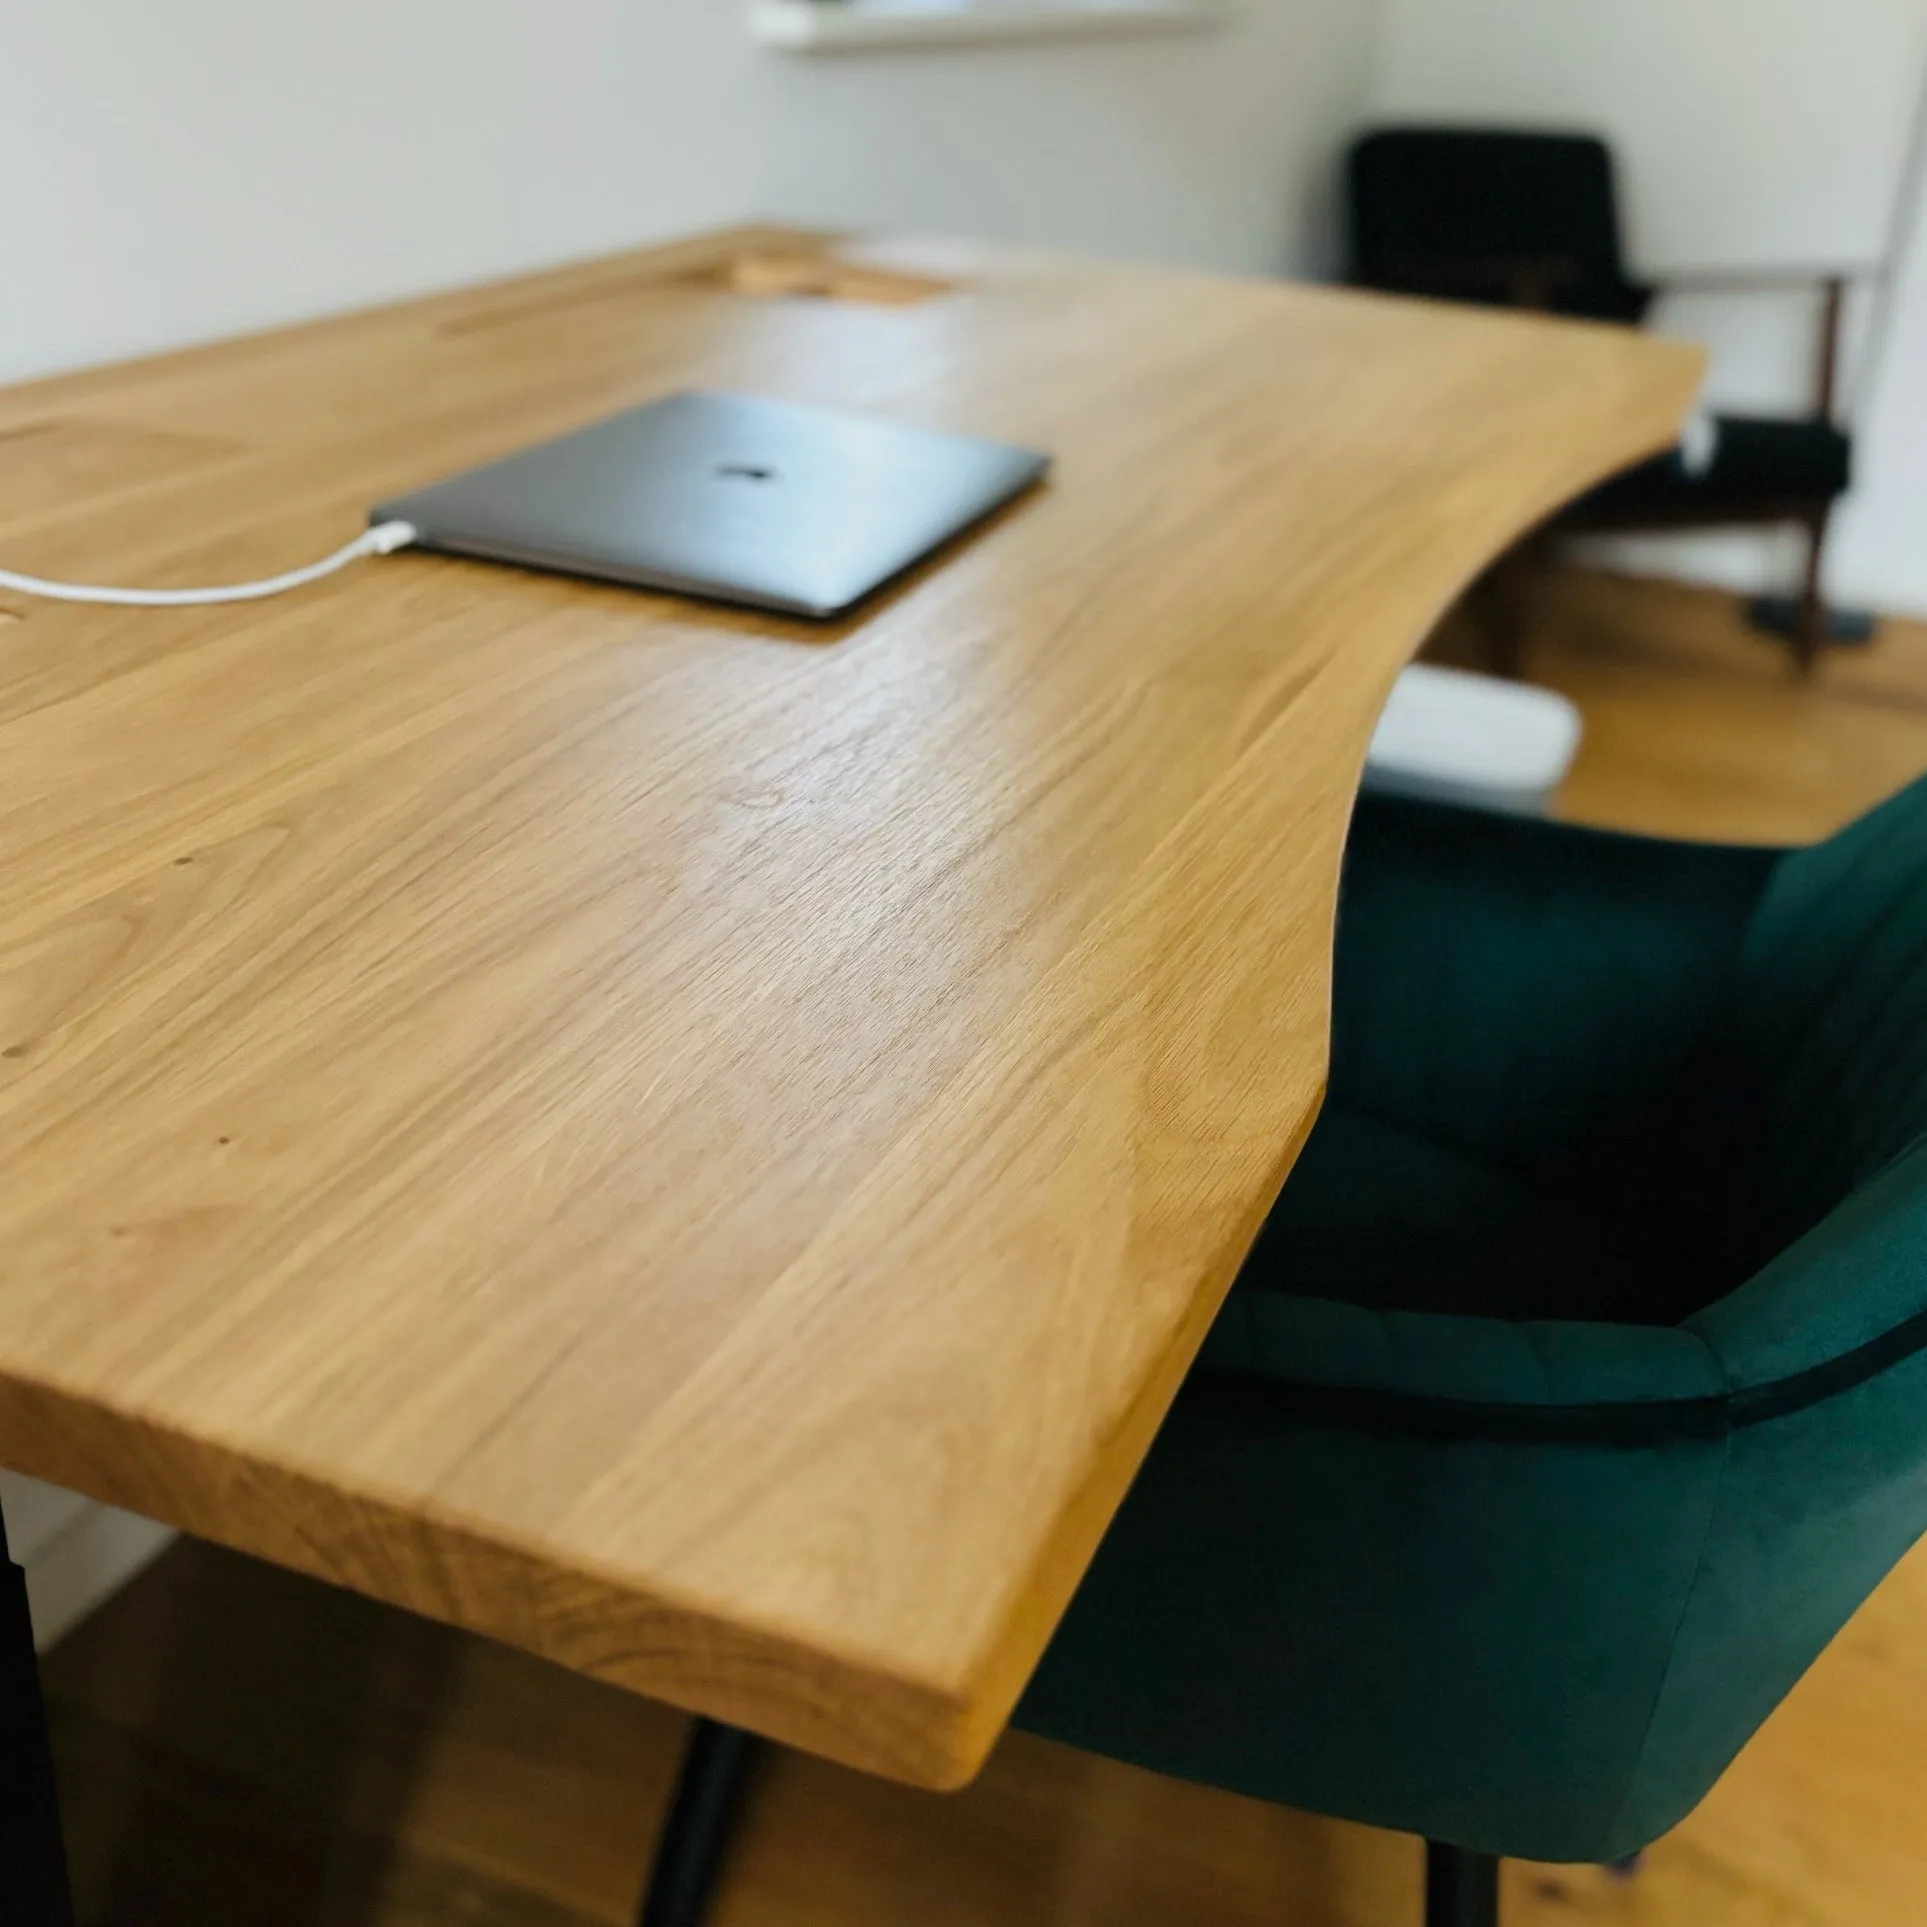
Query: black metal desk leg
702, 1817
33, 1857
1461, 1888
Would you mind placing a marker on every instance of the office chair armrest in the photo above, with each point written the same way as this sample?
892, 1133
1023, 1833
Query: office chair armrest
1508, 986
1758, 280
1841, 1304
1830, 283
1442, 1374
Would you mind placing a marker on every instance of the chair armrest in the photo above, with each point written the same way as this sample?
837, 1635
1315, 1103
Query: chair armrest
1516, 989
1840, 1305
1759, 280
1445, 1374
1831, 283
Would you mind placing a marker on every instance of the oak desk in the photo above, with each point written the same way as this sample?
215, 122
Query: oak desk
694, 1144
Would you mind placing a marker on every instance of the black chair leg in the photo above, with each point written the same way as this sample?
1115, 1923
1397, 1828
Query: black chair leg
715, 1774
1810, 618
1461, 1888
33, 1857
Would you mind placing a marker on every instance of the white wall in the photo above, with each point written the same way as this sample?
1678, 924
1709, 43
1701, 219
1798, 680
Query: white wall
1216, 149
1750, 133
172, 172
1882, 547
168, 173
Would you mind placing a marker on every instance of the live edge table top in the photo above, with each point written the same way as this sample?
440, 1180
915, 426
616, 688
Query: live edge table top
696, 1143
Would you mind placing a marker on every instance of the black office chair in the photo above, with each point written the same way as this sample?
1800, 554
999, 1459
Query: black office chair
1530, 220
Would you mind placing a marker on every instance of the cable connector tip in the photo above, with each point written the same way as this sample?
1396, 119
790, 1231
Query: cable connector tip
386, 537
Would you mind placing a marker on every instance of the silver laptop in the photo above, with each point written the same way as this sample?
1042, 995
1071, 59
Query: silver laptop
805, 510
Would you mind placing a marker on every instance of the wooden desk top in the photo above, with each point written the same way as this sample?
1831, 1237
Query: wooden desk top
698, 1145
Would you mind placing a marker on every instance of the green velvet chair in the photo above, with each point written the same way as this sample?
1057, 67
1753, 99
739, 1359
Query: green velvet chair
1575, 1393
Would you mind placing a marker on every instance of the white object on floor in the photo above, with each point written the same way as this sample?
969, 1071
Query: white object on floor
77, 1554
1453, 737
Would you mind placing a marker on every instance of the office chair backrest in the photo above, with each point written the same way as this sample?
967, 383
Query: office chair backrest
1827, 1033
1506, 218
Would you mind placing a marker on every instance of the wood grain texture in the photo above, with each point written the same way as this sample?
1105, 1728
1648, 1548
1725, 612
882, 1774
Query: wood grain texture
243, 1746
688, 1142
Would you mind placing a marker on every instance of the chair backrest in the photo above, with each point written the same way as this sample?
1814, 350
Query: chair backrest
1512, 219
1826, 1036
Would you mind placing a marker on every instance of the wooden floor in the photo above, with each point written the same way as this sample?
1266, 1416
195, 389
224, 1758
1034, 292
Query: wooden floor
1697, 726
240, 1748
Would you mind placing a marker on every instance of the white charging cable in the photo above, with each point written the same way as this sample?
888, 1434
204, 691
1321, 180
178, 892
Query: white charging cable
383, 539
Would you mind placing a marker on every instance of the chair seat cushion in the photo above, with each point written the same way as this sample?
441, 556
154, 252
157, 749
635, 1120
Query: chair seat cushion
1379, 1217
1480, 741
1758, 462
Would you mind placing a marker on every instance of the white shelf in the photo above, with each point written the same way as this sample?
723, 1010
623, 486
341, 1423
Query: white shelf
833, 26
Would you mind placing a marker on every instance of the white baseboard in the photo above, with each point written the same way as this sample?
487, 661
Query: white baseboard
77, 1554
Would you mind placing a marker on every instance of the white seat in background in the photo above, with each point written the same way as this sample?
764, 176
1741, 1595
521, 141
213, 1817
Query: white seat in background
1453, 737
